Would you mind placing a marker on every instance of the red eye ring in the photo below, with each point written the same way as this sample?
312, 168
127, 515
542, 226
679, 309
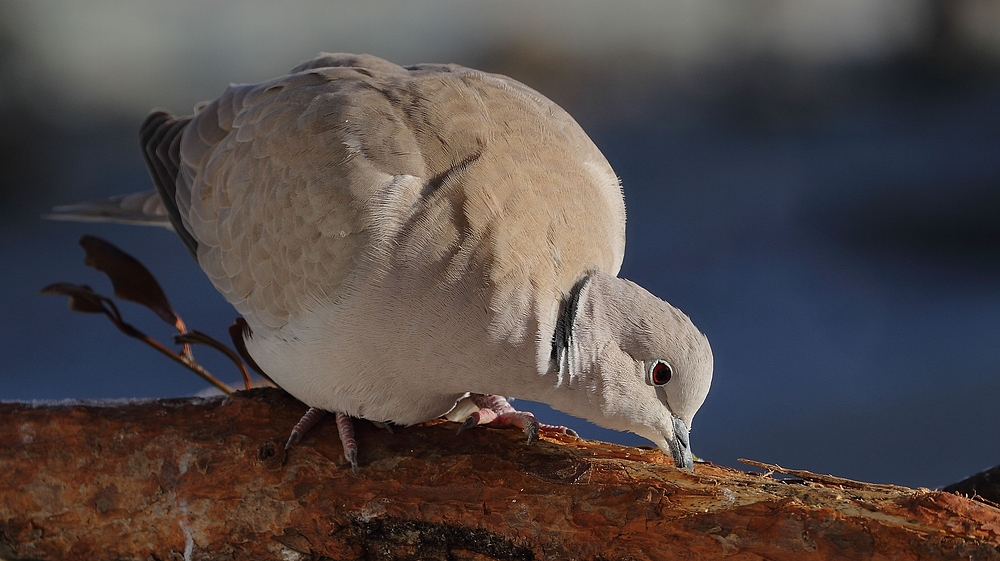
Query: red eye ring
660, 373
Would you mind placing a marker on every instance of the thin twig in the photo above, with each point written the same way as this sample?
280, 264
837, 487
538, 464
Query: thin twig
823, 479
203, 339
186, 361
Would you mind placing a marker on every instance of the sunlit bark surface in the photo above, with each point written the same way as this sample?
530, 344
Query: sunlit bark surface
209, 479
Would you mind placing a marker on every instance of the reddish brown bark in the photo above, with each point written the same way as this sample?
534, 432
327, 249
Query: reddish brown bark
209, 479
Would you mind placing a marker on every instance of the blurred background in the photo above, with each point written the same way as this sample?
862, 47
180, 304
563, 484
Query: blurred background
815, 182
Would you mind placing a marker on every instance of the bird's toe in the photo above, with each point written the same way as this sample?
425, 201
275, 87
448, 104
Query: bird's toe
312, 416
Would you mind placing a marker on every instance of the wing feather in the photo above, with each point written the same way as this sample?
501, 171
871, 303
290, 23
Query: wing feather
284, 189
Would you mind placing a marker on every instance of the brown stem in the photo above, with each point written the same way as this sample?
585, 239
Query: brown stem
203, 339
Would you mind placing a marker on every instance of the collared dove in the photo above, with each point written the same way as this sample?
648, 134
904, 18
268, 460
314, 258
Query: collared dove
405, 242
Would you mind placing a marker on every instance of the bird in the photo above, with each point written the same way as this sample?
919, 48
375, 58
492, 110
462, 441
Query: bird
411, 242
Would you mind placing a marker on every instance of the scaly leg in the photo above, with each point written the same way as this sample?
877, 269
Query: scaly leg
312, 416
345, 427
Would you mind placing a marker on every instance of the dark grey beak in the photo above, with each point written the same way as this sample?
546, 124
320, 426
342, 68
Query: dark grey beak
680, 446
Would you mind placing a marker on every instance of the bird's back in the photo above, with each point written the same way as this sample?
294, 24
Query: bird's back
289, 187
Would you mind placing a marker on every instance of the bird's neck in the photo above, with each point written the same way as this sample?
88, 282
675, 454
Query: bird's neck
565, 380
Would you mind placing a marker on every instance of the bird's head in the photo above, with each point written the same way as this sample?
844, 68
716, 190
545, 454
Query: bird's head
641, 360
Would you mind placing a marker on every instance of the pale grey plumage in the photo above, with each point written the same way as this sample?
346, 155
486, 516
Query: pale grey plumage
398, 237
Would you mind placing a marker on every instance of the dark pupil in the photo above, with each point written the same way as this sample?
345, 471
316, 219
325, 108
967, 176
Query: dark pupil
661, 374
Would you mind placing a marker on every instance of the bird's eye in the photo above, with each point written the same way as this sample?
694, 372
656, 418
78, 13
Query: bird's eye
660, 373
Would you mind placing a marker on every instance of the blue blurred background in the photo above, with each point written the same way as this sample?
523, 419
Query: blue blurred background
815, 182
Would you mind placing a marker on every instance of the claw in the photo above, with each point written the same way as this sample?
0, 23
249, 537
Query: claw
346, 429
312, 416
531, 429
470, 422
384, 426
352, 456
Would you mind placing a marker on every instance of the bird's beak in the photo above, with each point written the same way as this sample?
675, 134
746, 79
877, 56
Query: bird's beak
680, 446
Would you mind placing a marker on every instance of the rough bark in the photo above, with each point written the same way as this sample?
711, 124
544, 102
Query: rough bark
209, 479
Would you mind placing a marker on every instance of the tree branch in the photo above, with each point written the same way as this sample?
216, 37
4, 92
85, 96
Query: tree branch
210, 479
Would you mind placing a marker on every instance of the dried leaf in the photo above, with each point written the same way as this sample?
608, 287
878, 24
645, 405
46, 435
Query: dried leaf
82, 298
131, 280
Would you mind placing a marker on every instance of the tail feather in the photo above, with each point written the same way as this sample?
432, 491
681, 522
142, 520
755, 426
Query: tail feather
144, 209
160, 139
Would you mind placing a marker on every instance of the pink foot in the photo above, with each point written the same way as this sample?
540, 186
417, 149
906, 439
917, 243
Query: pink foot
312, 416
495, 410
345, 427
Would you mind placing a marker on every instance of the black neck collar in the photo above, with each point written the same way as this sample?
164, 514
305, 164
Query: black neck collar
563, 334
